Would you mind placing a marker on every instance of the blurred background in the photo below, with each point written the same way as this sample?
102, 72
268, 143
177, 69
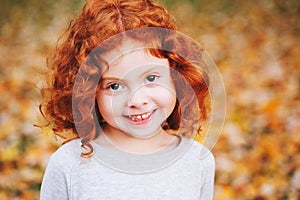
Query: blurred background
256, 46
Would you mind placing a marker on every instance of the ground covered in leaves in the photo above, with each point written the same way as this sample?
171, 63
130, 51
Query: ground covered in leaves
255, 44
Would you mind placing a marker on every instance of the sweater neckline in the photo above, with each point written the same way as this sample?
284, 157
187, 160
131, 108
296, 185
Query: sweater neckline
127, 162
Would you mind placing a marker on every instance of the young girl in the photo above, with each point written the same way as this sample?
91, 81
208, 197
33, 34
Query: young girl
133, 93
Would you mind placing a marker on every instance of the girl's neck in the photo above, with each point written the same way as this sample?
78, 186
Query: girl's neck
121, 140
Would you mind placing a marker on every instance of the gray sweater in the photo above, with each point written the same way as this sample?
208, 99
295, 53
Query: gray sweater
184, 172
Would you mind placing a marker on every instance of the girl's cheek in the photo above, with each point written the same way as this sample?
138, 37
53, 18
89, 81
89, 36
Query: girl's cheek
165, 95
117, 102
165, 90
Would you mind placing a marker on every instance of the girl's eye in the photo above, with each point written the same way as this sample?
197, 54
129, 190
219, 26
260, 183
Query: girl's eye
151, 78
115, 87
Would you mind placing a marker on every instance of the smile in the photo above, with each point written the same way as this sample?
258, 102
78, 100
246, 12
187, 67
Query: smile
141, 117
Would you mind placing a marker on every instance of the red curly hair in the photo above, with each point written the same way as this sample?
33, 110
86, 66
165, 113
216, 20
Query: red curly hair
98, 21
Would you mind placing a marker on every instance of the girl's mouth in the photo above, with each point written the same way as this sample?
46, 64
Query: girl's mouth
141, 117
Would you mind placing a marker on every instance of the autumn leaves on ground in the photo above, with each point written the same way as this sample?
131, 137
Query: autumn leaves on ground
255, 44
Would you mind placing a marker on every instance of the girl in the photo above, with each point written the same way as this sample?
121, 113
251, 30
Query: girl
133, 93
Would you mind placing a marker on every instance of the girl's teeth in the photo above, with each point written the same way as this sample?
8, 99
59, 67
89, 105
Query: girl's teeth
140, 117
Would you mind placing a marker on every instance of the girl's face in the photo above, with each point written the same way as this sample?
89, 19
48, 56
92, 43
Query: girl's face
136, 94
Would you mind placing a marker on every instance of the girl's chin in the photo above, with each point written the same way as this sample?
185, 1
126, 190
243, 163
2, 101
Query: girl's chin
141, 133
138, 129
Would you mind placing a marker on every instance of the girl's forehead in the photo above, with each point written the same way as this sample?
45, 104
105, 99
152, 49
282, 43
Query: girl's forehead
122, 49
125, 45
134, 62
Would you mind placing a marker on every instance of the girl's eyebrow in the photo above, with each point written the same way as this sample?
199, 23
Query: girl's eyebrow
152, 68
106, 79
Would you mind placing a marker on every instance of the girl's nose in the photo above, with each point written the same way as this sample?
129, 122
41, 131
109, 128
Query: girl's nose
138, 98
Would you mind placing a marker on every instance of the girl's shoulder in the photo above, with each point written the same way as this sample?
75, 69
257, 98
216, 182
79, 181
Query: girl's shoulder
67, 154
201, 152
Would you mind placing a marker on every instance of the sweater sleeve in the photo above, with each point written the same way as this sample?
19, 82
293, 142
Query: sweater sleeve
207, 188
56, 181
54, 185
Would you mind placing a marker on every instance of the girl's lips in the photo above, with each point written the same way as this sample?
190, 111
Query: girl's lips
141, 118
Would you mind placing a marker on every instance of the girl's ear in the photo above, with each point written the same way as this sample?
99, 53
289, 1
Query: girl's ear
165, 125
